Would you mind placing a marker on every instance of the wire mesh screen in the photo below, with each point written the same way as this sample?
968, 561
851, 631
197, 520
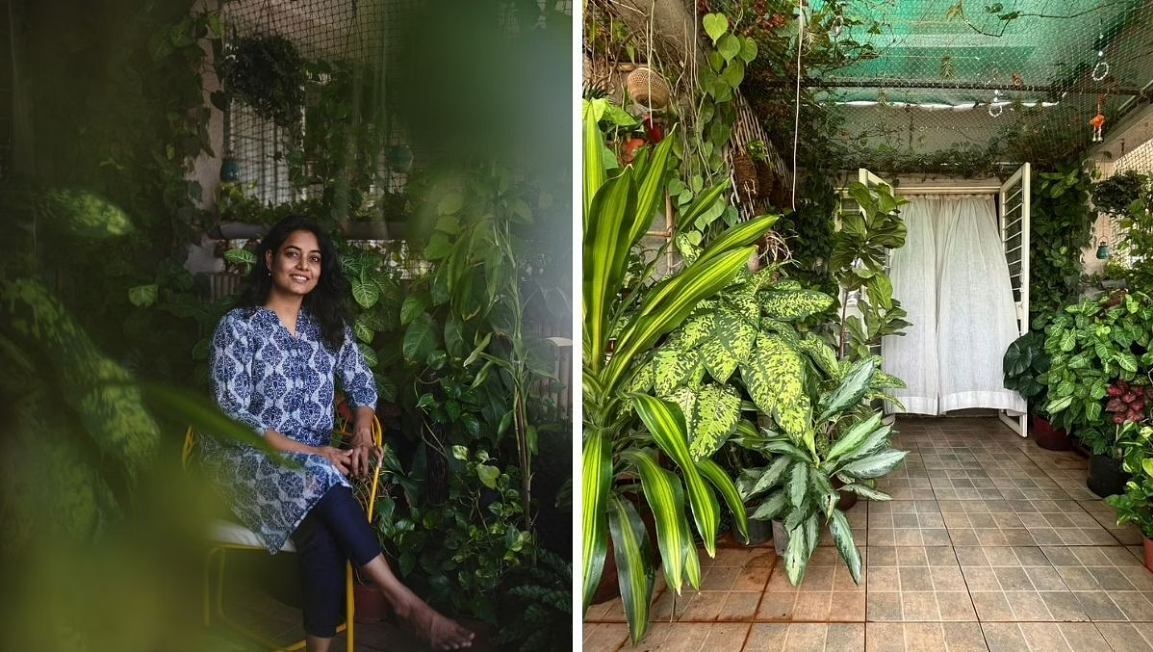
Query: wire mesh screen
948, 85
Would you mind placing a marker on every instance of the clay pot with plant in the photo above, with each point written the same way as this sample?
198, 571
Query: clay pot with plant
1026, 366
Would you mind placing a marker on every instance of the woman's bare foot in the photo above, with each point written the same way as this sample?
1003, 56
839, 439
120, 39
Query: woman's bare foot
438, 632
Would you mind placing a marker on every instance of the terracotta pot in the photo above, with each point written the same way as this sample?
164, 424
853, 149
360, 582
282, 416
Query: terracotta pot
1048, 437
371, 607
1148, 553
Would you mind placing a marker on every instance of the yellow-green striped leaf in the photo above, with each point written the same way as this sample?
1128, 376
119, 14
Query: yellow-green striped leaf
604, 255
739, 236
634, 564
701, 203
596, 475
668, 509
650, 189
667, 426
724, 484
594, 169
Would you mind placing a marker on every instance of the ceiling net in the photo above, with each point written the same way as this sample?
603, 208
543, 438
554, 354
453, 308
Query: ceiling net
948, 86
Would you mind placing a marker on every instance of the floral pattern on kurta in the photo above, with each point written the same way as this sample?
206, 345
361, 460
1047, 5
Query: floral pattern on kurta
265, 378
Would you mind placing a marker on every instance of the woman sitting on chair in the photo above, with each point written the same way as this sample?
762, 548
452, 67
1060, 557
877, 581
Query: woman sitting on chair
273, 365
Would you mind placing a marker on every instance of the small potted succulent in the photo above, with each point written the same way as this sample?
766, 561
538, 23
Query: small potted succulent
1025, 365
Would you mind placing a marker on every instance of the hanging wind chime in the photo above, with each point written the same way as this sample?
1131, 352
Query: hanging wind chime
1100, 72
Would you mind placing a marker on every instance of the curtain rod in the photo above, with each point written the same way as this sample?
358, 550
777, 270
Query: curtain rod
948, 190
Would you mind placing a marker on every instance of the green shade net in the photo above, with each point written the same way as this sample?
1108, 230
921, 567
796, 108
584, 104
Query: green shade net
942, 85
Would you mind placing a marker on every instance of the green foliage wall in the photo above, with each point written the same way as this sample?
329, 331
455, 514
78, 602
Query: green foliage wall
1061, 225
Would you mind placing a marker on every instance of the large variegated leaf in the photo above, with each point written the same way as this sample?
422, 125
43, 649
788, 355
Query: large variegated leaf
666, 424
775, 377
843, 540
848, 442
635, 568
822, 491
822, 355
770, 476
851, 390
596, 475
720, 479
661, 489
874, 466
695, 331
876, 440
882, 380
798, 484
812, 534
642, 379
729, 343
796, 556
673, 369
790, 305
686, 399
773, 506
867, 492
657, 317
718, 408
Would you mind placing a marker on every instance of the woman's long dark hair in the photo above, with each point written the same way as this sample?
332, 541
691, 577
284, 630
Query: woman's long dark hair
327, 303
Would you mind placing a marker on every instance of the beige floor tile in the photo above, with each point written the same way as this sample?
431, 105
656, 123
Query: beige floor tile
964, 637
1123, 637
884, 637
766, 638
604, 637
845, 638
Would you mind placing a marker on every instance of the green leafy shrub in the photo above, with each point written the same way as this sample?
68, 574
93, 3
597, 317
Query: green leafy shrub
1061, 226
1025, 365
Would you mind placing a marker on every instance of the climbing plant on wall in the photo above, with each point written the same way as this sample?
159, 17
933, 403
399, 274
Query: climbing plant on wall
1061, 225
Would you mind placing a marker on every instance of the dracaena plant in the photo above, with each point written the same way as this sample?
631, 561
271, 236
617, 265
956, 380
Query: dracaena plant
796, 487
861, 248
624, 316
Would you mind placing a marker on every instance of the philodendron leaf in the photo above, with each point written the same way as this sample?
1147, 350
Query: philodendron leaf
798, 484
718, 410
634, 564
843, 539
796, 556
874, 466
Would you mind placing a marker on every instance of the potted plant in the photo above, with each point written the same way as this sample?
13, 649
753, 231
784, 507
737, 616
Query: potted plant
1092, 345
624, 317
846, 442
1135, 505
1025, 365
1129, 406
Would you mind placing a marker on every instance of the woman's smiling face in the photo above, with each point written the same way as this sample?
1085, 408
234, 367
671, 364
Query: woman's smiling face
295, 268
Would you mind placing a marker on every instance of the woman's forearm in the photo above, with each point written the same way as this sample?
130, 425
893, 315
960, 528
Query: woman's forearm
362, 425
285, 444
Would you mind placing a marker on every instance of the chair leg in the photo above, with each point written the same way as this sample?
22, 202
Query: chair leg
350, 608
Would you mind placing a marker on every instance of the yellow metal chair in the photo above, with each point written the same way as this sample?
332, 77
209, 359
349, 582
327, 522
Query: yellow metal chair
228, 536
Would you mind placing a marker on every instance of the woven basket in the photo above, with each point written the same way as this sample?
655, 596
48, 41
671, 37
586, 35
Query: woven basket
745, 174
648, 88
766, 178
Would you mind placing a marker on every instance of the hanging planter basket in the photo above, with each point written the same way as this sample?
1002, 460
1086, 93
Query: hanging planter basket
745, 175
267, 74
649, 88
766, 178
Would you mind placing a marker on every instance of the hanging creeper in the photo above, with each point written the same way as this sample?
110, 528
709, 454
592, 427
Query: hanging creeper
1098, 121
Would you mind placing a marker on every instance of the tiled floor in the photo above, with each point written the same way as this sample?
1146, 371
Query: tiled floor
990, 543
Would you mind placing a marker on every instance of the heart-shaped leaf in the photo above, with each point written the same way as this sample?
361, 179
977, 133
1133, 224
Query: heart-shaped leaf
716, 25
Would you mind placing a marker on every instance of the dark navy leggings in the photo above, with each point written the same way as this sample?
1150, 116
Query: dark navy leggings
335, 530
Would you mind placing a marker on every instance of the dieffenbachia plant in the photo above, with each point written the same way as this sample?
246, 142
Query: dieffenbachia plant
623, 319
798, 481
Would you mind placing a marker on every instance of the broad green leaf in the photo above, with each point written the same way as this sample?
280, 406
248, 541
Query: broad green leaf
874, 466
718, 410
822, 354
668, 507
843, 540
867, 492
594, 169
365, 293
788, 305
875, 441
240, 257
419, 339
729, 343
1058, 405
729, 47
606, 250
143, 296
847, 443
773, 506
634, 564
748, 49
414, 305
720, 479
798, 484
596, 474
667, 426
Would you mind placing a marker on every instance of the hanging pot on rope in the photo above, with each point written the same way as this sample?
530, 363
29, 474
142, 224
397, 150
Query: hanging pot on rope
648, 88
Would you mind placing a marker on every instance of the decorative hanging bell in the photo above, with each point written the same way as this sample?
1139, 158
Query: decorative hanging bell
1102, 251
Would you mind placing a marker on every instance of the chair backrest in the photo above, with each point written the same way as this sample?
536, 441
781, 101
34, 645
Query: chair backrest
365, 490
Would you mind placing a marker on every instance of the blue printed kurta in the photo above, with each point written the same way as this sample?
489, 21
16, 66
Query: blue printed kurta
265, 378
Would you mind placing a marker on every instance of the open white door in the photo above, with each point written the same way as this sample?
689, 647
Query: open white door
1013, 218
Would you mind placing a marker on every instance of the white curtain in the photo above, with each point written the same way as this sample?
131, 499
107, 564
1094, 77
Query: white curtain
952, 279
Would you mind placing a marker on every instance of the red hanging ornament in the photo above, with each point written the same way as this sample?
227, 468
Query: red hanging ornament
1098, 121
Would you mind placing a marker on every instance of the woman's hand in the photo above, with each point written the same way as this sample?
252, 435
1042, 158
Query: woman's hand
361, 454
341, 459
